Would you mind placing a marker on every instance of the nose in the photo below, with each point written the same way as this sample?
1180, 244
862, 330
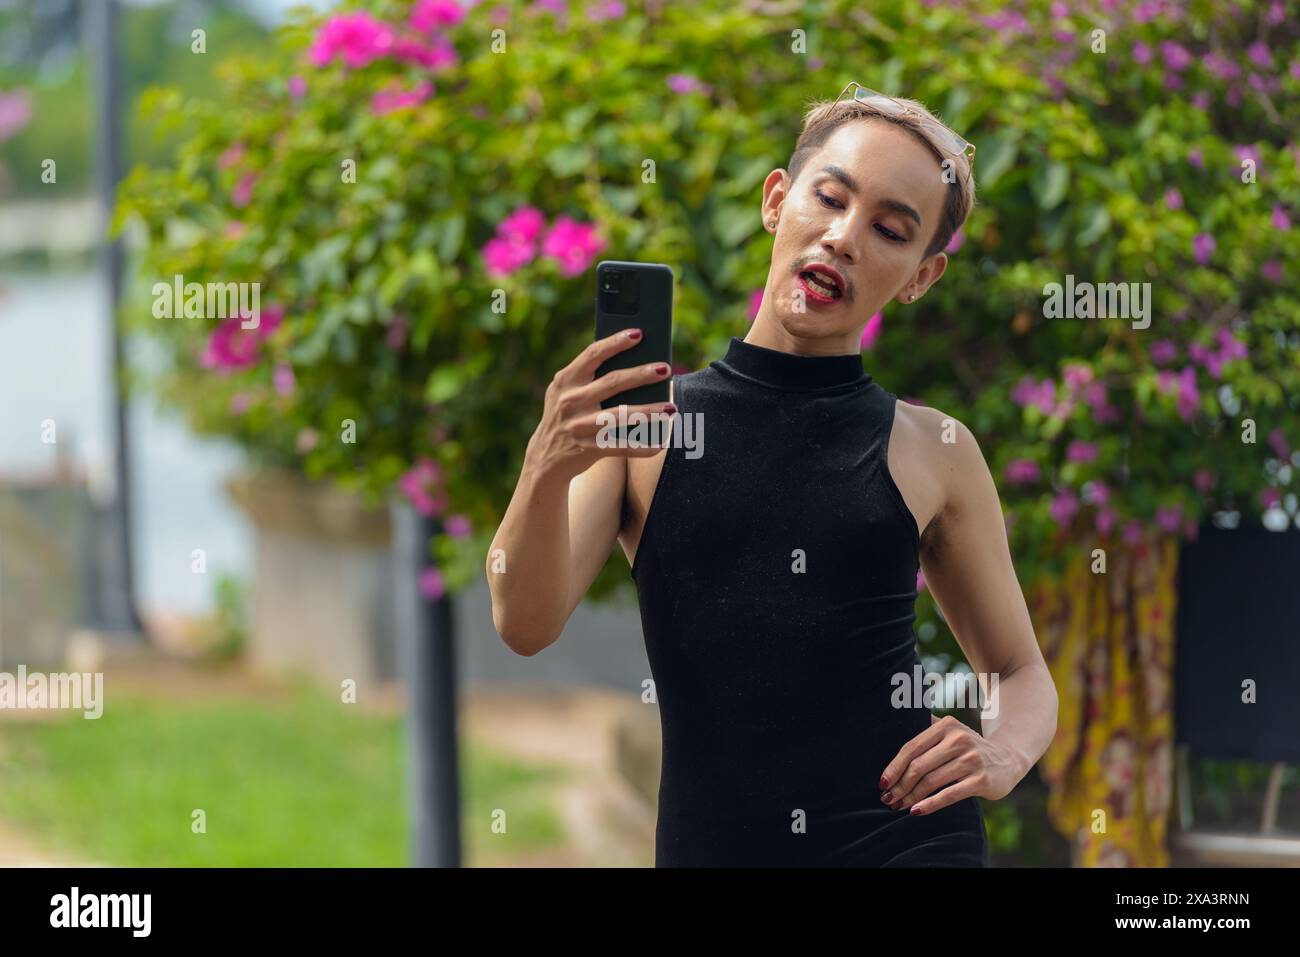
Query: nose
838, 246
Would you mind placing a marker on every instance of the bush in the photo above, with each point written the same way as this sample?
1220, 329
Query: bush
645, 133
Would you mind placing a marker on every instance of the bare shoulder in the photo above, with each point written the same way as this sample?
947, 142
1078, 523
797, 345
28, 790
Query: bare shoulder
931, 456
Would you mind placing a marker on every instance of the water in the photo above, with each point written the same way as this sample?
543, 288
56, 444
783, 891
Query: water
54, 364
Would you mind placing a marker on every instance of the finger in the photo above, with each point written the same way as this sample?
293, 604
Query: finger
583, 367
967, 787
619, 380
941, 753
940, 776
922, 742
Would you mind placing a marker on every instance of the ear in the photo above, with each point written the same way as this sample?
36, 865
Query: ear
775, 190
925, 276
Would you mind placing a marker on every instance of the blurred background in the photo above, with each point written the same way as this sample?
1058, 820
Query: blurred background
272, 542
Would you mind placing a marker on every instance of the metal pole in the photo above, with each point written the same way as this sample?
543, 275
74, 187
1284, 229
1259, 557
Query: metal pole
117, 605
427, 658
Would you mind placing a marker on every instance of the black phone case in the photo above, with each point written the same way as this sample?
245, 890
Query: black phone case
654, 317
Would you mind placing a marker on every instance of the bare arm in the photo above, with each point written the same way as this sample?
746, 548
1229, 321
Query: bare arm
564, 516
967, 565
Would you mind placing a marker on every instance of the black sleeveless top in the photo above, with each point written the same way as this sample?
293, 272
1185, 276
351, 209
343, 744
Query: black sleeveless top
776, 576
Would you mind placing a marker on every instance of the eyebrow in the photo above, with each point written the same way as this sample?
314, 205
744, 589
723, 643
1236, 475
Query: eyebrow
851, 184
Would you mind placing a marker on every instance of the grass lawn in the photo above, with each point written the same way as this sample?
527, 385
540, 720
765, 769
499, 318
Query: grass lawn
298, 780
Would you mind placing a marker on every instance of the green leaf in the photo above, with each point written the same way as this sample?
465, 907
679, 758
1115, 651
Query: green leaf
568, 159
1095, 223
453, 232
733, 223
1049, 183
993, 156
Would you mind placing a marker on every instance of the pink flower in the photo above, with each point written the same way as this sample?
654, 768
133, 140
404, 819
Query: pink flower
685, 83
1141, 53
283, 379
755, 301
1277, 442
232, 347
297, 87
1245, 152
243, 191
457, 526
503, 256
524, 225
1271, 269
1203, 247
1063, 507
1163, 351
1168, 518
359, 37
954, 244
1269, 497
432, 585
1191, 530
1105, 520
1280, 219
1259, 54
1080, 451
239, 403
393, 97
428, 15
606, 10
1188, 395
1021, 471
419, 483
920, 581
1076, 376
306, 440
1220, 67
231, 155
1132, 532
1175, 56
573, 245
1042, 394
1194, 157
1098, 492
871, 331
1173, 198
1201, 100
1204, 480
1230, 347
15, 112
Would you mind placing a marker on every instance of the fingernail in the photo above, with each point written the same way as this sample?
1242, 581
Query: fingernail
670, 408
883, 783
634, 333
661, 368
914, 810
885, 797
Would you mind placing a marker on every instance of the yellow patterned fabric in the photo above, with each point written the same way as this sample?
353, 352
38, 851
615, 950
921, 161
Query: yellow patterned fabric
1109, 642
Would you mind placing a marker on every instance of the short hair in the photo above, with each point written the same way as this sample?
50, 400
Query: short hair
825, 117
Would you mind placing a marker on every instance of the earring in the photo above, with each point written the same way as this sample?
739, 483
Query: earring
911, 297
772, 224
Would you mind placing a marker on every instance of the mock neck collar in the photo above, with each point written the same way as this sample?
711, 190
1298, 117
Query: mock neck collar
793, 373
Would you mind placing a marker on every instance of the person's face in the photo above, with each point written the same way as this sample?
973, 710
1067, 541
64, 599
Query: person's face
866, 205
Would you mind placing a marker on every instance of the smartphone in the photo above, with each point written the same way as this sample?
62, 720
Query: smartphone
636, 295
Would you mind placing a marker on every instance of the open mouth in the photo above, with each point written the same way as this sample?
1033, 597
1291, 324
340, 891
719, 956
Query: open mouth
821, 284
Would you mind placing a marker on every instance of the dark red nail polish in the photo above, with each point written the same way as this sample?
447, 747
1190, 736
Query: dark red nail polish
661, 368
914, 811
886, 796
883, 783
634, 333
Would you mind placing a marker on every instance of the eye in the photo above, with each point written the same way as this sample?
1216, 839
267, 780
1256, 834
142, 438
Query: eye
890, 234
827, 201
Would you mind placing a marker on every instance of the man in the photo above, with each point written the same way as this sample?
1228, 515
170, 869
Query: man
776, 572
